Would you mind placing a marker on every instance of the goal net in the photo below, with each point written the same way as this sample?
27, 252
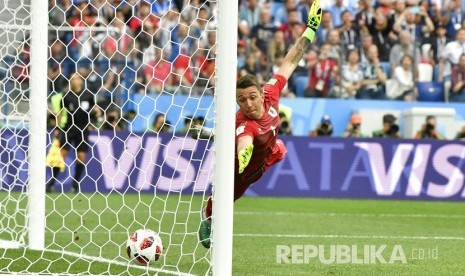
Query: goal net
126, 83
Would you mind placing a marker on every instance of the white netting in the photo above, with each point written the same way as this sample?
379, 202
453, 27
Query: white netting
126, 81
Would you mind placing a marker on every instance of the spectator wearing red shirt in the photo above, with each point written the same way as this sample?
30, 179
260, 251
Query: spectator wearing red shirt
158, 72
458, 81
321, 70
136, 22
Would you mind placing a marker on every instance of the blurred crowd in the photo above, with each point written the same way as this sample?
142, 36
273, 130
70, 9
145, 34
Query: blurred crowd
364, 49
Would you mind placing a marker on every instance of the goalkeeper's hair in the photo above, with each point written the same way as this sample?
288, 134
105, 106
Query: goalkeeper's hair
248, 81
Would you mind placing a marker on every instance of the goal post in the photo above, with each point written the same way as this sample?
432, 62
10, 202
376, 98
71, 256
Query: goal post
223, 193
117, 88
37, 124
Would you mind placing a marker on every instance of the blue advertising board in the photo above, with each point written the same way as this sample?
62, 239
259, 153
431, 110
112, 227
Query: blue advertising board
313, 167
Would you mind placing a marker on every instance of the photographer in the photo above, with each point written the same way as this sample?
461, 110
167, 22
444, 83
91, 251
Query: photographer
354, 127
428, 130
284, 125
324, 128
113, 119
390, 128
461, 134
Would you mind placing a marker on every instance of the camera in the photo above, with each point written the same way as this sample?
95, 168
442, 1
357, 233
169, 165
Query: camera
429, 128
284, 124
325, 129
393, 129
111, 118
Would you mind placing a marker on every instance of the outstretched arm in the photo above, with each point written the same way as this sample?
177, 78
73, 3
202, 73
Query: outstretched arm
297, 51
293, 57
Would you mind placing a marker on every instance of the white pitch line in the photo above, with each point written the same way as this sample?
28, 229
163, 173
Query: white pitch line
327, 236
271, 213
310, 214
332, 214
109, 261
349, 237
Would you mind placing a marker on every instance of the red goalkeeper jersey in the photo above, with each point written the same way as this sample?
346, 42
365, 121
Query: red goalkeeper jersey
263, 131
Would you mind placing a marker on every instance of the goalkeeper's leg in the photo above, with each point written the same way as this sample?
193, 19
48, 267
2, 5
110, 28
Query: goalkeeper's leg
241, 183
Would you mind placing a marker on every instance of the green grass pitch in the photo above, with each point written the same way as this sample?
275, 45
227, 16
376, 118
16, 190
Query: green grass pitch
92, 230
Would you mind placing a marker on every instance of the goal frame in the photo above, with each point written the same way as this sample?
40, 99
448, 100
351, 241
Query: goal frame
226, 63
225, 105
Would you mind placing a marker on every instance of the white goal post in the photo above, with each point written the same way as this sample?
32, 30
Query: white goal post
225, 133
37, 124
69, 231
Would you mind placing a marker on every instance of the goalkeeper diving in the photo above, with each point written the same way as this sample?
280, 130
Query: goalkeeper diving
257, 122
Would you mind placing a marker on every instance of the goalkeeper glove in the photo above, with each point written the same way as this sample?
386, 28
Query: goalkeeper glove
244, 157
314, 20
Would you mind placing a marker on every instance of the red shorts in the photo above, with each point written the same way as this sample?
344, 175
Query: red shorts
242, 181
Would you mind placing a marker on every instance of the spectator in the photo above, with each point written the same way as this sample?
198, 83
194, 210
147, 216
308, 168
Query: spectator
293, 19
367, 41
453, 17
157, 72
336, 11
451, 55
249, 16
353, 129
323, 129
458, 81
280, 17
405, 47
321, 70
403, 80
399, 8
437, 43
382, 34
366, 13
374, 77
137, 21
390, 128
352, 76
262, 33
324, 29
277, 46
348, 32
241, 53
161, 7
303, 7
428, 130
335, 52
181, 41
418, 28
251, 67
81, 17
56, 80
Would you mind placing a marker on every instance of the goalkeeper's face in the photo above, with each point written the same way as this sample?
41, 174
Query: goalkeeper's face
250, 101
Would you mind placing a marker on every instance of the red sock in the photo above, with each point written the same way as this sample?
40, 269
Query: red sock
208, 209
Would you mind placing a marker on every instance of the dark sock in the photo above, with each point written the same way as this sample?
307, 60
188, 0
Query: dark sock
78, 172
51, 181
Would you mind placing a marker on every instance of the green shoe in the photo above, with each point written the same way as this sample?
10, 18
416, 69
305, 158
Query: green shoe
204, 232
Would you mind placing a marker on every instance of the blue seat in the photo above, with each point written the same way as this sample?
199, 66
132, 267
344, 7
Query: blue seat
301, 84
430, 91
